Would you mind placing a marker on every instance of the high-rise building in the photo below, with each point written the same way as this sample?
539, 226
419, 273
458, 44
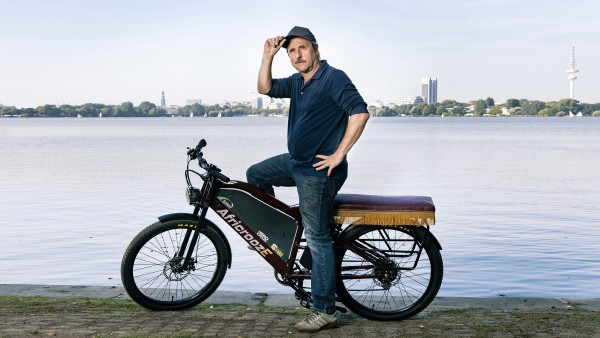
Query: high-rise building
163, 102
572, 71
257, 102
429, 90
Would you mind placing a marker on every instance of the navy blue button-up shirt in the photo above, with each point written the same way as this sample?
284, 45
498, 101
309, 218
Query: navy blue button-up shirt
318, 116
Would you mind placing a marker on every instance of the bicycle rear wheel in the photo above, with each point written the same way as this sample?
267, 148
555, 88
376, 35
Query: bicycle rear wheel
152, 272
397, 289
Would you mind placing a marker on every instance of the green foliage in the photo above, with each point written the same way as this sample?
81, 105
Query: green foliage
480, 108
49, 110
589, 109
512, 103
446, 108
196, 109
146, 108
532, 107
569, 105
403, 109
495, 111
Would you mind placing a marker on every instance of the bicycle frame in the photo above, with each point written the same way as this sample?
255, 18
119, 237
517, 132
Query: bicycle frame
239, 203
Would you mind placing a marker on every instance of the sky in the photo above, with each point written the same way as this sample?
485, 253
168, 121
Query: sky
108, 51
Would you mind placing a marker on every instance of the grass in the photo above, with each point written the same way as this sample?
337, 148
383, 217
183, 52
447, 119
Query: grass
521, 322
39, 304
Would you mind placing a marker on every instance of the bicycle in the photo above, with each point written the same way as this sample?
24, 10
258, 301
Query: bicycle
388, 263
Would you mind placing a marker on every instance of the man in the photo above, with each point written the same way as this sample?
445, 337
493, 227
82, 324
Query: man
327, 116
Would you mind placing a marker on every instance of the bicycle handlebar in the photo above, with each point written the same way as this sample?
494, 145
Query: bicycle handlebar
220, 176
212, 170
194, 153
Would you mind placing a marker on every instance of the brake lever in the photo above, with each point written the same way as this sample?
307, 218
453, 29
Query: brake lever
191, 153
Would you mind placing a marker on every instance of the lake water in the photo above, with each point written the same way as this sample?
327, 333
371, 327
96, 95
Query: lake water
517, 198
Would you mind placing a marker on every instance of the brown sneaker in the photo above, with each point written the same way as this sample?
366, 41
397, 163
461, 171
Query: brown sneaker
318, 321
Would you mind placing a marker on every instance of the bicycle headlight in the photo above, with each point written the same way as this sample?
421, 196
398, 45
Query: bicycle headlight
192, 196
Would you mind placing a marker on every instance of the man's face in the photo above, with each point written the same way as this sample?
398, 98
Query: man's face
302, 55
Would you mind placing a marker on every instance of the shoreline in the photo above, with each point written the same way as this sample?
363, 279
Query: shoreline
288, 300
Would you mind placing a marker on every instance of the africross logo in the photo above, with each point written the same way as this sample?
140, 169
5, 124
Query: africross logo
236, 224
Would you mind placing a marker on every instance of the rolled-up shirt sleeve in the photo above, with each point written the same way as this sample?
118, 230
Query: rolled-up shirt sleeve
281, 88
347, 96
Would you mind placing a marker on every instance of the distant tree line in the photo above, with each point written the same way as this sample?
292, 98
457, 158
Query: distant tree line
127, 109
225, 110
482, 107
487, 107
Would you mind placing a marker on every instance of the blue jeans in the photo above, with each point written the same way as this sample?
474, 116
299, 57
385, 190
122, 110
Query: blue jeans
315, 195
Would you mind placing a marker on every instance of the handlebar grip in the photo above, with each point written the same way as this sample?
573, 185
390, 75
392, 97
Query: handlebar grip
196, 153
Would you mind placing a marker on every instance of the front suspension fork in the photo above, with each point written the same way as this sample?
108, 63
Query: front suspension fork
192, 235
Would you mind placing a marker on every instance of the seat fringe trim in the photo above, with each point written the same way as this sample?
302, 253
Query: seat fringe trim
383, 218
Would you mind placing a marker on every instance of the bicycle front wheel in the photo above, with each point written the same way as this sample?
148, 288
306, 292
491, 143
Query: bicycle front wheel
399, 286
152, 269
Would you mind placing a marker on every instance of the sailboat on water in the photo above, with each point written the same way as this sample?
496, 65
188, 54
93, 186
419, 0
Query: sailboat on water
575, 115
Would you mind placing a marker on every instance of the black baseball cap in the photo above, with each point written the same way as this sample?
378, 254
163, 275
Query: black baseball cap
299, 32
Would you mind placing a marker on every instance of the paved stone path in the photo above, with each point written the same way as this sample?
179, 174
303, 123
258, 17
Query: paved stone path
244, 315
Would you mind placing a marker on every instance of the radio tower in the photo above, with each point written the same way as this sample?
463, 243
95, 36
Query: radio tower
572, 71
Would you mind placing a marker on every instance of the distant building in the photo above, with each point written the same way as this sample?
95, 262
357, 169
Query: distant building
429, 90
272, 103
257, 102
414, 100
233, 104
376, 104
172, 110
275, 105
191, 102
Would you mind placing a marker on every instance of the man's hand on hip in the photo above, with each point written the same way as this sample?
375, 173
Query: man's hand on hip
328, 162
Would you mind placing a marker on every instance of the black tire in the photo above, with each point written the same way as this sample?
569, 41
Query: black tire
146, 268
404, 292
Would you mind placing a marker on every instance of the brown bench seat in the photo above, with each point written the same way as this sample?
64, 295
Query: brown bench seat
383, 210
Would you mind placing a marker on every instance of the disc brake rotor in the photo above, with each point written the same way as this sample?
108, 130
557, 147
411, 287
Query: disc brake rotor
174, 270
